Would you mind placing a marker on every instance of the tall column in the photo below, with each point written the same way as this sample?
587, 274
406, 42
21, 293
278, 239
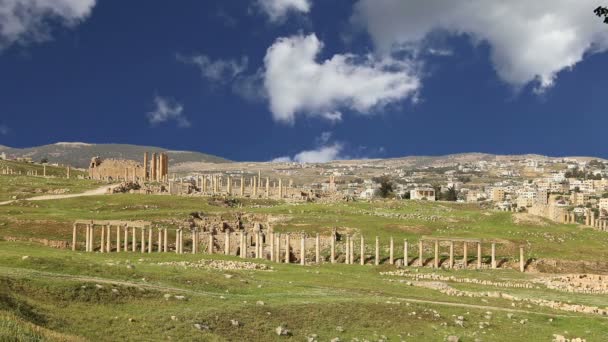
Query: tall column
346, 250
451, 254
44, 170
278, 247
242, 186
103, 240
108, 238
465, 257
133, 239
165, 243
210, 243
145, 166
406, 258
362, 251
493, 255
391, 252
227, 242
271, 239
352, 250
521, 259
479, 255
150, 241
92, 238
255, 187
126, 239
332, 257
241, 243
117, 238
194, 237
74, 231
143, 239
420, 250
257, 245
303, 250
436, 254
377, 261
317, 249
87, 233
153, 168
280, 188
287, 246
229, 186
160, 240
181, 241
267, 187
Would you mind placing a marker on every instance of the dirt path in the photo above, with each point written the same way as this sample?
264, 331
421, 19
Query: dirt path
19, 272
95, 192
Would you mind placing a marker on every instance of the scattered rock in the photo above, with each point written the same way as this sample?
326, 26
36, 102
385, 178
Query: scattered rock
259, 302
282, 331
452, 338
200, 326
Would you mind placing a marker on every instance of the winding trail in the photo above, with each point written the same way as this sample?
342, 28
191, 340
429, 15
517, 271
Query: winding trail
95, 192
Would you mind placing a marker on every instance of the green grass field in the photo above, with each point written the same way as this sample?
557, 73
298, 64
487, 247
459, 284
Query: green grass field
50, 294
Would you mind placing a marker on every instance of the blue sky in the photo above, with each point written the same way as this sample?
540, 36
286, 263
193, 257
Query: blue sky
306, 80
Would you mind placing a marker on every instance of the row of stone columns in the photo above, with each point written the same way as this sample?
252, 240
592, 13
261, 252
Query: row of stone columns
216, 186
274, 246
117, 237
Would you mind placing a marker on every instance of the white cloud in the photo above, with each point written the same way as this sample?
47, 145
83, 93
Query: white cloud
322, 154
23, 21
167, 110
530, 41
297, 84
220, 70
4, 130
277, 10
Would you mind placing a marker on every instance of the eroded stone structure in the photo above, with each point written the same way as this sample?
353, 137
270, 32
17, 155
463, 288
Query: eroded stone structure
155, 169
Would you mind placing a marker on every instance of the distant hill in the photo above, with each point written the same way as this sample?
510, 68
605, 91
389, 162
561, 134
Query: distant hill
80, 154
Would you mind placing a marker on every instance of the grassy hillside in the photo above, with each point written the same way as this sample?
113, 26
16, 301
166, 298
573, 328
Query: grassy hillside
80, 154
23, 186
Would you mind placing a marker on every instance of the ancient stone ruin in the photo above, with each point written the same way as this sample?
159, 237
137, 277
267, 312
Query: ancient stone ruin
154, 170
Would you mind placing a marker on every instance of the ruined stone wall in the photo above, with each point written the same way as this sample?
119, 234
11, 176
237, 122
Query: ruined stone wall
114, 169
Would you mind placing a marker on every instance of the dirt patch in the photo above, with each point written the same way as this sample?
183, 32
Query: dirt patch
567, 266
524, 219
410, 229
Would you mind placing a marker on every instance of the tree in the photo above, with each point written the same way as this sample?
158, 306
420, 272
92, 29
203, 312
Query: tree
44, 160
602, 11
386, 186
451, 195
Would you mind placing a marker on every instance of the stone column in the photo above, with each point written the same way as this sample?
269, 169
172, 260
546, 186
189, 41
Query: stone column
267, 187
143, 240
479, 255
451, 254
44, 170
74, 232
287, 246
303, 250
227, 242
160, 240
181, 241
257, 245
87, 232
362, 251
346, 250
521, 259
210, 243
352, 250
242, 186
165, 241
229, 186
194, 237
153, 168
420, 250
406, 259
92, 238
280, 188
103, 240
332, 257
271, 239
255, 187
493, 255
436, 254
118, 236
150, 240
133, 239
108, 238
391, 259
242, 245
377, 261
125, 247
317, 249
277, 255
465, 257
